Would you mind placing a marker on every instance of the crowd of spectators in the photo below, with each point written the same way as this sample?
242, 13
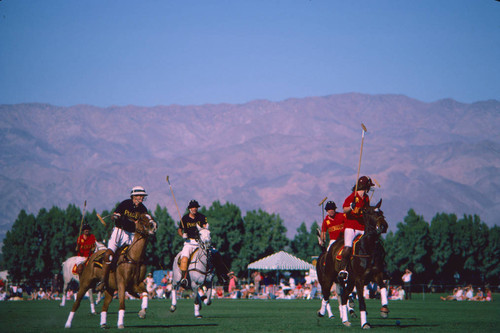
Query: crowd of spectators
467, 294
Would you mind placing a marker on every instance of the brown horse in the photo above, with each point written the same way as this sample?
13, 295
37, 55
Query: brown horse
367, 264
128, 275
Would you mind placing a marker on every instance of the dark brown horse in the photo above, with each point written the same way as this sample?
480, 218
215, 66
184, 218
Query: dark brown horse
367, 264
128, 275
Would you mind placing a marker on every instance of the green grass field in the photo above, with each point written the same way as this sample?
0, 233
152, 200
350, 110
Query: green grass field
227, 315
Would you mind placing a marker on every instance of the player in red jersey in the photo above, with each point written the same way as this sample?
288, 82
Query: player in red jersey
85, 246
333, 224
354, 226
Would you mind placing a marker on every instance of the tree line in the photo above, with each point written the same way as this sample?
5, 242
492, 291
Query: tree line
447, 250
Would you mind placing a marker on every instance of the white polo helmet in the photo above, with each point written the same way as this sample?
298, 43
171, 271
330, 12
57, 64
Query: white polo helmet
138, 190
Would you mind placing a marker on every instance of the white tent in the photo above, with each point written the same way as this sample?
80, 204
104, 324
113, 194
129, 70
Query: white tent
281, 261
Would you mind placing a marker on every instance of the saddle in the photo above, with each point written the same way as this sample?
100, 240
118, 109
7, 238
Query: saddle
338, 257
190, 258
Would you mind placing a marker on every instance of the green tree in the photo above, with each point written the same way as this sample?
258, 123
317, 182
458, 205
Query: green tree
20, 247
409, 247
305, 243
165, 244
265, 234
491, 259
227, 231
444, 258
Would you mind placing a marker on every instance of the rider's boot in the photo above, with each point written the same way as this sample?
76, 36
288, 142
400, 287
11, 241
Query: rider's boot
106, 267
346, 256
184, 268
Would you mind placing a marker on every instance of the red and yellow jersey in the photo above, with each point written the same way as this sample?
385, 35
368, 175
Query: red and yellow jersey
85, 246
334, 225
354, 219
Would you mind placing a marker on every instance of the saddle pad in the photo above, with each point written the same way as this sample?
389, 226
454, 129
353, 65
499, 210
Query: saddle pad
354, 242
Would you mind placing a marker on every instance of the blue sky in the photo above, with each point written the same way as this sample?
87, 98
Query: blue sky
67, 52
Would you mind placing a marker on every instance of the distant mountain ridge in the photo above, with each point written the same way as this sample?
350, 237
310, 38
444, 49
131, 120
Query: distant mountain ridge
283, 157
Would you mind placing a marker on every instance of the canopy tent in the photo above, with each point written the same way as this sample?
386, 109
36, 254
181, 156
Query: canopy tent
281, 261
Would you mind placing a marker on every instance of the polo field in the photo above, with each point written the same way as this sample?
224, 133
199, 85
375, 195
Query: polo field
421, 314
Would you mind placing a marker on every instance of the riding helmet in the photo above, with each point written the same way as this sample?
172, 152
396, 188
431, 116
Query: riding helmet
193, 204
330, 205
138, 190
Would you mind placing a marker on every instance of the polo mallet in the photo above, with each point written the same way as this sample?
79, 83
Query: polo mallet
81, 223
360, 154
376, 183
171, 190
102, 218
322, 210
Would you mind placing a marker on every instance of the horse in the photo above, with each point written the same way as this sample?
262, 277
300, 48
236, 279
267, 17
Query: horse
68, 276
128, 275
367, 263
200, 274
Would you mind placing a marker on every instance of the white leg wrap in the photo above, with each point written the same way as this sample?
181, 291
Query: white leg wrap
329, 310
363, 317
174, 297
383, 296
145, 298
92, 307
343, 313
103, 318
121, 315
63, 301
70, 320
196, 310
323, 307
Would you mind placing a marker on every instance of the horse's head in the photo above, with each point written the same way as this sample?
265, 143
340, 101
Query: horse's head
374, 219
145, 225
205, 239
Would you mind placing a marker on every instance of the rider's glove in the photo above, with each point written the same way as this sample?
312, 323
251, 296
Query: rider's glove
352, 205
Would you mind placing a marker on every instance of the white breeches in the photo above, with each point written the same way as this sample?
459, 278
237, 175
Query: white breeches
190, 246
350, 234
118, 238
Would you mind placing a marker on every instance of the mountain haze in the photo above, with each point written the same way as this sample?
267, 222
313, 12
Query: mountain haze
283, 157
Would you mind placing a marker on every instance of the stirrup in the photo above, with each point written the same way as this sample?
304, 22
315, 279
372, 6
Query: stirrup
343, 275
184, 283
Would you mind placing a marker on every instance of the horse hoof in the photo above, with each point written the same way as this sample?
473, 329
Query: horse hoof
104, 326
142, 314
173, 308
199, 316
384, 312
367, 326
120, 327
320, 314
347, 323
330, 317
353, 314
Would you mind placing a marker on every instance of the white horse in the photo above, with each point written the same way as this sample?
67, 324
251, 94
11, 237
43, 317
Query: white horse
67, 269
200, 273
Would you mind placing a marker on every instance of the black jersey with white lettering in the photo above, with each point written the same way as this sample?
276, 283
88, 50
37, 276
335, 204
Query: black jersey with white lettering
129, 213
188, 224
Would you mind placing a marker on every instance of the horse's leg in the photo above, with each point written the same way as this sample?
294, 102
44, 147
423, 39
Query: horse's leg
173, 296
91, 299
197, 303
342, 295
121, 310
81, 292
63, 298
384, 310
362, 303
108, 297
208, 300
325, 302
140, 289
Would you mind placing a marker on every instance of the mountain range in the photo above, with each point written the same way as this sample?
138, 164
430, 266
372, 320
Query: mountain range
282, 157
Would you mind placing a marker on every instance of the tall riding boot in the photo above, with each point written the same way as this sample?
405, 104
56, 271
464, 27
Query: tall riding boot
106, 267
184, 267
346, 256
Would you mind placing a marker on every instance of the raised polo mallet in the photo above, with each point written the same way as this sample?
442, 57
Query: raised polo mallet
322, 210
360, 154
171, 190
81, 224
